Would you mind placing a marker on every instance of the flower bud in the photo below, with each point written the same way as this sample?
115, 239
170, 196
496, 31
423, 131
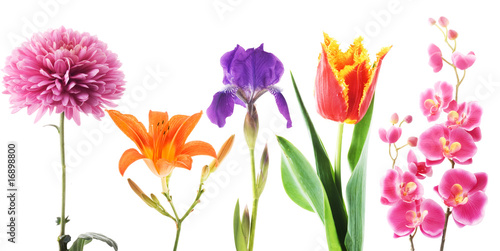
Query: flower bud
408, 119
264, 167
224, 150
245, 223
394, 118
205, 172
452, 34
251, 126
412, 141
443, 21
141, 194
432, 21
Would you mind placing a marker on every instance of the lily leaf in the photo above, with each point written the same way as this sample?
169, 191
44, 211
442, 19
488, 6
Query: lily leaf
305, 188
86, 238
239, 239
325, 173
356, 187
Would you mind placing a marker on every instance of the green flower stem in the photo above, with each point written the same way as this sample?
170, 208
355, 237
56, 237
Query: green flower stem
255, 203
178, 221
62, 246
443, 238
338, 174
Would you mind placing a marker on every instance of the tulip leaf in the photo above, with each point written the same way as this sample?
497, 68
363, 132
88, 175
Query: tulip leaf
325, 172
86, 238
304, 187
239, 239
356, 187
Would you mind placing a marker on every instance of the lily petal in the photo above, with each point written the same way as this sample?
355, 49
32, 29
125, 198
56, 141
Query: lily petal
128, 157
165, 168
134, 129
194, 148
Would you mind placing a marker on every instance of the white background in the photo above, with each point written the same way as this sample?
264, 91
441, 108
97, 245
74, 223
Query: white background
170, 52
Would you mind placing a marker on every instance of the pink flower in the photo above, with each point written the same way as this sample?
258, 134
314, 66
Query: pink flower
439, 142
452, 34
462, 61
435, 60
65, 71
443, 21
433, 101
464, 192
419, 169
390, 136
427, 214
467, 116
397, 186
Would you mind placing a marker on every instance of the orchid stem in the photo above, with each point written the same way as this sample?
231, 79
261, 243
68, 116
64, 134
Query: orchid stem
443, 238
61, 239
255, 203
411, 239
338, 158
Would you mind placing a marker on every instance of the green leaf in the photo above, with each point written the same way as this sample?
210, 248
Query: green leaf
359, 136
239, 239
356, 187
325, 173
305, 187
86, 238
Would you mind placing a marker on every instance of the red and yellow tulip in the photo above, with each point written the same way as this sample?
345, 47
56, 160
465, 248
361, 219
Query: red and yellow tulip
163, 146
345, 81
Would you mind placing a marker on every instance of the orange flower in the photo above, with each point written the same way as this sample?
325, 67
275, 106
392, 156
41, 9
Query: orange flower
345, 81
164, 146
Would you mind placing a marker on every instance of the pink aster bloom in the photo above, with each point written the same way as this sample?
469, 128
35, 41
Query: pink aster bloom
467, 116
440, 142
419, 169
464, 192
397, 186
404, 218
391, 135
65, 71
462, 61
432, 101
435, 57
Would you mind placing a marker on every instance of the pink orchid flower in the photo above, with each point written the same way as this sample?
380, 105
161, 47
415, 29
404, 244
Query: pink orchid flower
390, 136
464, 192
419, 169
462, 61
433, 101
467, 116
440, 142
435, 57
404, 218
397, 186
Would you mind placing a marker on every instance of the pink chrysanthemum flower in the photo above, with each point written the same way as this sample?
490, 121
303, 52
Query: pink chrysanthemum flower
65, 71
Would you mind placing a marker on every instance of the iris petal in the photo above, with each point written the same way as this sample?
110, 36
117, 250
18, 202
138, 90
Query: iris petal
222, 107
282, 105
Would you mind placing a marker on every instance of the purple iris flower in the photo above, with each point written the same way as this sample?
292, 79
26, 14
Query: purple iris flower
247, 75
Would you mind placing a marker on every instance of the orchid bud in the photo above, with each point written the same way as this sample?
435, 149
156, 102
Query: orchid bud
443, 21
412, 141
408, 119
432, 21
452, 34
394, 118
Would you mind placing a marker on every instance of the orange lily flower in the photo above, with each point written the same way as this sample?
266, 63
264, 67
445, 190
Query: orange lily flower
164, 146
345, 81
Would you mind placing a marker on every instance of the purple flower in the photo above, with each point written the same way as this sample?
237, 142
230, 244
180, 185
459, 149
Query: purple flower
64, 70
247, 75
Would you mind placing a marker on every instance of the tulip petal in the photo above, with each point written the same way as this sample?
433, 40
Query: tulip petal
128, 157
134, 129
282, 105
330, 97
222, 106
